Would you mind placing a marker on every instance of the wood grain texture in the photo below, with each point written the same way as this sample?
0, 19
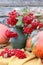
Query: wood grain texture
20, 2
8, 5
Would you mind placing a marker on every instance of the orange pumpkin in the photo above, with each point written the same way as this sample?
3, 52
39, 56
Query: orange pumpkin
36, 44
3, 37
28, 42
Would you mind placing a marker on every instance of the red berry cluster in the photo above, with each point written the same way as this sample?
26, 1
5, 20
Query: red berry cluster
27, 30
26, 19
12, 20
14, 52
34, 25
20, 54
11, 34
30, 20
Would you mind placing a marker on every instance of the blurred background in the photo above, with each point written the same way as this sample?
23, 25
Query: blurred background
8, 5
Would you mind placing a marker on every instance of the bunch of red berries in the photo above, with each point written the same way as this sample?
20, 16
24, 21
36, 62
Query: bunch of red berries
28, 19
31, 24
27, 30
12, 20
11, 34
14, 52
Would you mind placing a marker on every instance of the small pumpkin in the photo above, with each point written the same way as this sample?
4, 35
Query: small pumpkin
37, 44
3, 37
28, 43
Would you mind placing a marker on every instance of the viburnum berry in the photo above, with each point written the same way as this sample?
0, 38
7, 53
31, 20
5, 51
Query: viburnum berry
9, 53
30, 14
28, 30
12, 20
13, 52
20, 54
27, 20
40, 25
13, 13
11, 34
4, 54
35, 24
6, 49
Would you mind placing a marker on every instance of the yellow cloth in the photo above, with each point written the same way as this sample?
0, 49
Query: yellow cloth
30, 60
4, 61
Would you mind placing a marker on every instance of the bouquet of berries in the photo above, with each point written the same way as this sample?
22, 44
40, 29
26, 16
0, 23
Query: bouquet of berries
27, 21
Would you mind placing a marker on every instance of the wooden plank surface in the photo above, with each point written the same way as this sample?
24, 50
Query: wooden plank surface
5, 10
20, 2
8, 5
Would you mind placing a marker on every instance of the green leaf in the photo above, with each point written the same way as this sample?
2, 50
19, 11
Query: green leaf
41, 20
24, 10
38, 14
20, 21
